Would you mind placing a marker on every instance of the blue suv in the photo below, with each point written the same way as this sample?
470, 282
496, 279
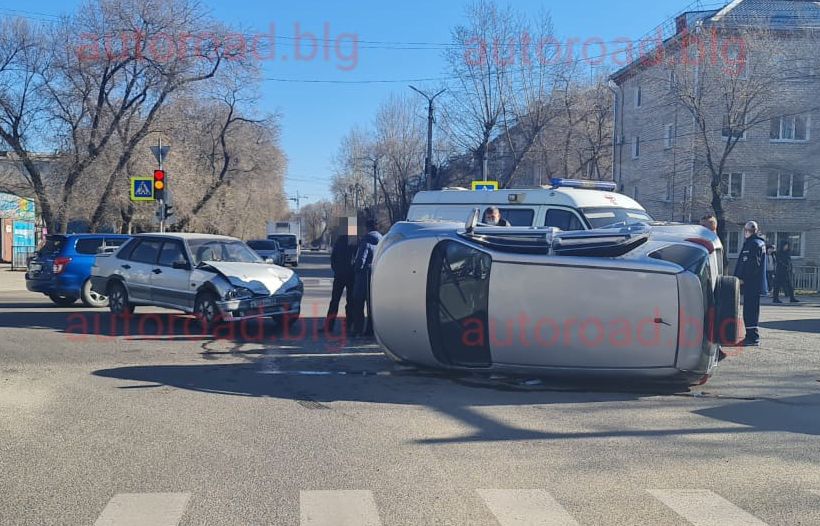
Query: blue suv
61, 269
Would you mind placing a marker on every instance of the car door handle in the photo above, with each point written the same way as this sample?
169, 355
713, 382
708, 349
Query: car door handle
126, 267
157, 271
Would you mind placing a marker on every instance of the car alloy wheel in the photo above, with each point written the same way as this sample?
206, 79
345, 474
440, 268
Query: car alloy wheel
118, 300
206, 310
92, 298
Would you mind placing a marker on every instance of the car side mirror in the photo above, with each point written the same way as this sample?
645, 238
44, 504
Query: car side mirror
181, 265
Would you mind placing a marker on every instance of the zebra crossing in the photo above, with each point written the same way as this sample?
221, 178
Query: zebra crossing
520, 507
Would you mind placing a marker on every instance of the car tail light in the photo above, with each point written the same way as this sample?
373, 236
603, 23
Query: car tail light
705, 243
60, 264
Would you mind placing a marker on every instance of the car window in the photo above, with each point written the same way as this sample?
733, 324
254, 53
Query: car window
125, 251
171, 253
604, 217
518, 216
115, 241
263, 245
53, 245
146, 252
285, 241
89, 246
563, 219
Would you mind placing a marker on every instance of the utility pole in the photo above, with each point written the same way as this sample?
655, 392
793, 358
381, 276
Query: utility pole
298, 200
428, 161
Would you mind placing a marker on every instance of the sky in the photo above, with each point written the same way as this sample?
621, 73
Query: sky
315, 116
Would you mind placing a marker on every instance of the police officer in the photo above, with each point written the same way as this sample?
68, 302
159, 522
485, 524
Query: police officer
751, 270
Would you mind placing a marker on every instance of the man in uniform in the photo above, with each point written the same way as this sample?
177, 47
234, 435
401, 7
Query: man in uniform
341, 261
751, 270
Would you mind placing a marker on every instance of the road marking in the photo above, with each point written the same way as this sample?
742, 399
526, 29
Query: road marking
525, 508
142, 509
702, 507
338, 508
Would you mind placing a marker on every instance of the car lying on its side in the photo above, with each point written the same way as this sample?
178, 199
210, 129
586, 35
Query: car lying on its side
62, 267
645, 300
215, 277
268, 249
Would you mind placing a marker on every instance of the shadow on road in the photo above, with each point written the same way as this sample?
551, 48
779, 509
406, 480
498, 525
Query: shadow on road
806, 326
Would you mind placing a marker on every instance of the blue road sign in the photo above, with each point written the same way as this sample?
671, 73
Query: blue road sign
486, 186
142, 188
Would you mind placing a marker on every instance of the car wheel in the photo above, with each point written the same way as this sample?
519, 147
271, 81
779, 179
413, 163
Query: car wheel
726, 329
91, 298
62, 301
206, 309
118, 299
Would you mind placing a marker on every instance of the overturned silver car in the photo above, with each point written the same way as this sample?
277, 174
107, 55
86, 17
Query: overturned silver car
637, 299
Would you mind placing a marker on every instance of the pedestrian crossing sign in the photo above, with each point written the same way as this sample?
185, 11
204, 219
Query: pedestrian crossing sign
486, 186
142, 188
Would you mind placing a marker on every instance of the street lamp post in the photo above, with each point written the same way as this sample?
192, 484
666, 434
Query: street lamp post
428, 161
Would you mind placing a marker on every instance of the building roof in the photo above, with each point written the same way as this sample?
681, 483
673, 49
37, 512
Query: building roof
773, 14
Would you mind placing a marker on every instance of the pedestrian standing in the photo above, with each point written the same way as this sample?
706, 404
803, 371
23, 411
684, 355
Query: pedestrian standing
784, 275
771, 265
709, 222
341, 261
363, 265
751, 270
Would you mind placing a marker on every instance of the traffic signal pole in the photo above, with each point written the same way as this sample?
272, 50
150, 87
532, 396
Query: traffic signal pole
162, 199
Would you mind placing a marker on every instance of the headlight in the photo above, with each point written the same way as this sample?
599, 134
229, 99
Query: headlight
239, 293
293, 283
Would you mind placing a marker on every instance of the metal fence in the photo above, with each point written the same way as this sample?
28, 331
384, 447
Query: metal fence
20, 257
807, 279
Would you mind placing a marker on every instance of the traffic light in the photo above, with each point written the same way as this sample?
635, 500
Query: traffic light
169, 210
159, 184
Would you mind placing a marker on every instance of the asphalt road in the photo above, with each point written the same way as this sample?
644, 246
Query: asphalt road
158, 425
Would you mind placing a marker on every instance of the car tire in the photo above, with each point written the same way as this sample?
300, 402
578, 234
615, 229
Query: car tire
726, 325
62, 301
91, 298
118, 299
206, 310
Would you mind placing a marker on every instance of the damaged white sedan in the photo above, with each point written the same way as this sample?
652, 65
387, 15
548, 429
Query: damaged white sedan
640, 299
216, 278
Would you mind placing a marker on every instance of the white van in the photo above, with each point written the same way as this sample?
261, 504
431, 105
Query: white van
568, 204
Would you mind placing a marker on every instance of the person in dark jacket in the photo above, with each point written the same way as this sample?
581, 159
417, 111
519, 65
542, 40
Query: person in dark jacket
492, 217
784, 274
362, 266
341, 261
751, 270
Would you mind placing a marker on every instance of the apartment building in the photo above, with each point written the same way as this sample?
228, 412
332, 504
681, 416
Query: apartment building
664, 150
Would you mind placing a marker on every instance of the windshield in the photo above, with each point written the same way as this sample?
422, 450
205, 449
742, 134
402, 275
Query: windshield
604, 217
285, 241
263, 245
219, 250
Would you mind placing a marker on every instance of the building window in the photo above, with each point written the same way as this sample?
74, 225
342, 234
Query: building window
786, 186
638, 97
795, 240
669, 136
672, 80
733, 243
737, 61
670, 189
794, 128
732, 128
732, 186
636, 147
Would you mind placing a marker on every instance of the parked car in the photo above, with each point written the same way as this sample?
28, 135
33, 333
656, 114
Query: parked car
634, 299
62, 267
268, 249
215, 277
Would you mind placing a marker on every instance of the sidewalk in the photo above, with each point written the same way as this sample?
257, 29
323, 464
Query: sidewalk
11, 281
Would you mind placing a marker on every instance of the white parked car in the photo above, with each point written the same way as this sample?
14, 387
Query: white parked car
634, 299
217, 278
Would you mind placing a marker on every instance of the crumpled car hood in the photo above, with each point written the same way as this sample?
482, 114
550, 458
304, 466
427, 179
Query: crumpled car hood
258, 277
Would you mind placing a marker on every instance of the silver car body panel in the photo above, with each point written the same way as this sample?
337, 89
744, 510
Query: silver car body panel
647, 301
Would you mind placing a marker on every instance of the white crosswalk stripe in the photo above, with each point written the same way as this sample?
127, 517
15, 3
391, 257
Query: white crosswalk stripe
144, 509
705, 508
338, 508
525, 508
